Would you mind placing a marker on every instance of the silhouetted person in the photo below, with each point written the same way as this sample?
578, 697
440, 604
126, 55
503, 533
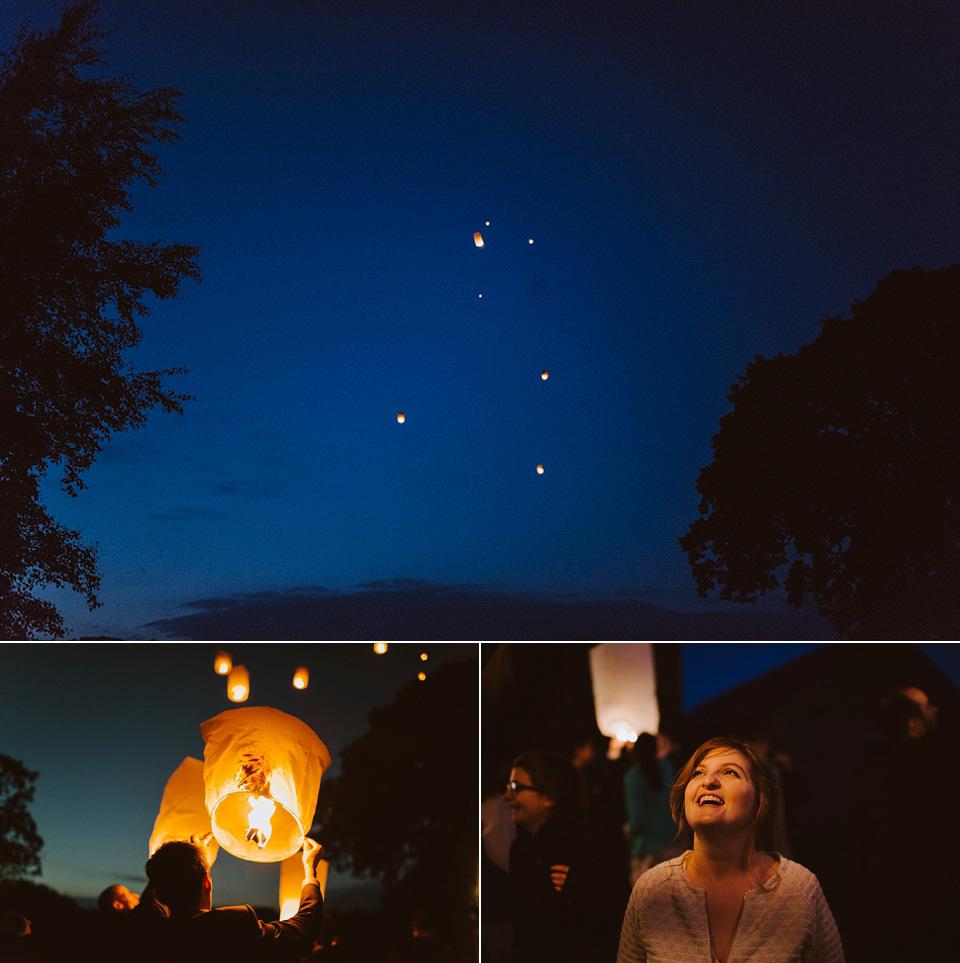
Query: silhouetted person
179, 875
646, 792
908, 837
117, 899
566, 888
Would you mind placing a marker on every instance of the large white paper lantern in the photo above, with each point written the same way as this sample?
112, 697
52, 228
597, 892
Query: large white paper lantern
625, 689
261, 774
183, 812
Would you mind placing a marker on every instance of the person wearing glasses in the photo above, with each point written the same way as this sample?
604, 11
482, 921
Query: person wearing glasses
566, 903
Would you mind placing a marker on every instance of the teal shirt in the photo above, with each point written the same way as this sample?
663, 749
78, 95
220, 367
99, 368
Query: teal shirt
649, 820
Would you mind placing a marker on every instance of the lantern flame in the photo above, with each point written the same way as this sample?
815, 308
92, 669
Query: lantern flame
261, 809
380, 647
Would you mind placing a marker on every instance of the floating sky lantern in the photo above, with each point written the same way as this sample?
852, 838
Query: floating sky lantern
421, 676
424, 657
487, 223
624, 690
478, 239
544, 375
401, 417
238, 684
222, 663
301, 678
291, 883
183, 812
261, 775
379, 647
539, 469
529, 240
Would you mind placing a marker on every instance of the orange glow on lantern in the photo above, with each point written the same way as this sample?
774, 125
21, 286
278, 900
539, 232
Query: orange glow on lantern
421, 676
401, 417
380, 647
539, 469
261, 775
222, 664
423, 656
291, 883
238, 684
478, 239
544, 375
301, 678
183, 812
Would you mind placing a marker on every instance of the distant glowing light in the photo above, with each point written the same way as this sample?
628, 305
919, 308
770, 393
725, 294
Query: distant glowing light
380, 647
423, 656
301, 677
539, 469
238, 684
479, 295
421, 676
222, 664
626, 734
401, 417
529, 240
487, 223
478, 239
544, 375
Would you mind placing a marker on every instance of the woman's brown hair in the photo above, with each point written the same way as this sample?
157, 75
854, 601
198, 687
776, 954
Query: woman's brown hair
765, 786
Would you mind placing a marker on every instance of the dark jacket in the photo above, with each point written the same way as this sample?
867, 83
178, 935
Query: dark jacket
232, 934
581, 922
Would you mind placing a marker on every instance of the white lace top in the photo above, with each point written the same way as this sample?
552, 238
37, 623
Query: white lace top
787, 920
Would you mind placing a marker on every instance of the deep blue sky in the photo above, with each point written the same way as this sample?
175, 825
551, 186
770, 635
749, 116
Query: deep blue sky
702, 182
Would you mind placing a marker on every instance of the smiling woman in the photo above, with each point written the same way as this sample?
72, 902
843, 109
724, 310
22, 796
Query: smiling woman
728, 899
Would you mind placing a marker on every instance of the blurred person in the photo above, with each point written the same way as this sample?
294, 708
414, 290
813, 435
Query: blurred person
727, 899
651, 831
565, 893
906, 834
117, 899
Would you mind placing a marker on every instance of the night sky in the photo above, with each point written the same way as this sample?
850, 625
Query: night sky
702, 183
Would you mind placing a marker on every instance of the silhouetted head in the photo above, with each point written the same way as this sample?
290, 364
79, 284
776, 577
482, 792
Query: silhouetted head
906, 713
117, 899
543, 784
180, 876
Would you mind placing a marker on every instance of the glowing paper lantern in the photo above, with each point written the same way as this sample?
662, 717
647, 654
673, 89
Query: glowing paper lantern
544, 375
529, 240
421, 676
401, 417
238, 684
487, 223
183, 812
424, 657
478, 239
379, 647
261, 775
222, 664
291, 883
301, 677
624, 690
539, 469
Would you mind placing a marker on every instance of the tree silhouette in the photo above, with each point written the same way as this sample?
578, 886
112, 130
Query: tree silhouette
19, 843
837, 473
72, 145
404, 806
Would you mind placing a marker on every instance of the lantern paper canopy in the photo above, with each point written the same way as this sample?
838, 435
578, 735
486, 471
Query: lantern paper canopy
539, 469
261, 775
222, 664
183, 812
401, 417
238, 684
301, 677
478, 239
624, 690
544, 375
291, 883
